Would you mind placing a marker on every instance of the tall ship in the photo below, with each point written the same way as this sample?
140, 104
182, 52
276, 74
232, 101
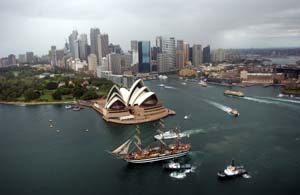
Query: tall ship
234, 93
143, 155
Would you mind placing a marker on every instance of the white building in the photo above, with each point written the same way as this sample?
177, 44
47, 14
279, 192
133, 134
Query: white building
197, 55
92, 62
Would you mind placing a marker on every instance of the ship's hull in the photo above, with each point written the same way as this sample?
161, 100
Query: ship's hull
159, 158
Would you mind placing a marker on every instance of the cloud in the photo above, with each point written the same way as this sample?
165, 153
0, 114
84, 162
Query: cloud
36, 25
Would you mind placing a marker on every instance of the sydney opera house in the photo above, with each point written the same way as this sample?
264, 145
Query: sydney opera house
132, 106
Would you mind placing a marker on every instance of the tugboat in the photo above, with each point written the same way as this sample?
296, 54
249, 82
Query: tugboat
234, 93
232, 171
176, 166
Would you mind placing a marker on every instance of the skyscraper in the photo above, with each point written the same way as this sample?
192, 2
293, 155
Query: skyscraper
94, 41
53, 56
158, 42
179, 59
135, 52
76, 49
83, 46
218, 55
167, 61
104, 44
114, 63
180, 45
144, 56
72, 39
186, 49
12, 59
206, 54
197, 55
30, 57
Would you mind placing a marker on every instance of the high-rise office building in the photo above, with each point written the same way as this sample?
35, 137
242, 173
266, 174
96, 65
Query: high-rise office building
186, 50
134, 52
191, 54
53, 56
114, 63
83, 47
115, 48
179, 59
206, 54
72, 39
180, 45
219, 55
167, 62
30, 57
92, 62
22, 58
76, 49
154, 53
104, 44
94, 41
197, 55
144, 56
158, 43
12, 60
103, 49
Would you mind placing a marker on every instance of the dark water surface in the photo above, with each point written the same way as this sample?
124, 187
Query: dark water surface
265, 138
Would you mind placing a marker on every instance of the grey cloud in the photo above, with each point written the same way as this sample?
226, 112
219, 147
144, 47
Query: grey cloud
221, 23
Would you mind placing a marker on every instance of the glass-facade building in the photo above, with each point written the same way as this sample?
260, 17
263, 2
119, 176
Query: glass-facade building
144, 56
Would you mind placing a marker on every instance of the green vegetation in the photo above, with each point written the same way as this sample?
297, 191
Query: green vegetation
30, 84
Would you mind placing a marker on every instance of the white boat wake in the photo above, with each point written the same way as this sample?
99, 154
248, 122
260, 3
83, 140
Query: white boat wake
246, 176
166, 86
220, 106
281, 100
260, 100
182, 174
193, 131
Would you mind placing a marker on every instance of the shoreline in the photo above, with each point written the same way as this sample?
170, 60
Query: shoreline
36, 103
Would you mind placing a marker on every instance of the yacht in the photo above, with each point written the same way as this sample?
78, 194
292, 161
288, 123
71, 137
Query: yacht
176, 166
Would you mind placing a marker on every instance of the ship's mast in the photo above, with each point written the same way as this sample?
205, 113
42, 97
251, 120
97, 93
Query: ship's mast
138, 141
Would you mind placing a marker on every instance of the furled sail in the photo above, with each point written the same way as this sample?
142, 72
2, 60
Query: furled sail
121, 148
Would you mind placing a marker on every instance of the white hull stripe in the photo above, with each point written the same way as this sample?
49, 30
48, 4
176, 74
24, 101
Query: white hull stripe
157, 158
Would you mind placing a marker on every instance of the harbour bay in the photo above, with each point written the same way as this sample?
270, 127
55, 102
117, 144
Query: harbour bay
265, 138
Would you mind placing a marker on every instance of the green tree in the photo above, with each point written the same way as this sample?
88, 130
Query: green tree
51, 85
31, 94
56, 95
89, 95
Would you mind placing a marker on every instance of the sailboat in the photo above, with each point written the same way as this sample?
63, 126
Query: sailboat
160, 153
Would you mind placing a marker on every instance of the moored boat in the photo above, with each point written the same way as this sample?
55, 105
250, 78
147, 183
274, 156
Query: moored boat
68, 106
232, 171
140, 155
234, 93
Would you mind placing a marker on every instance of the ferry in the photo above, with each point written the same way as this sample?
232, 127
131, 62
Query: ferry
234, 93
232, 171
169, 135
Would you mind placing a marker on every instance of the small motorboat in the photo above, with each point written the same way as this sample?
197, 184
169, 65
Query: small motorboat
76, 108
51, 126
176, 166
232, 171
203, 83
234, 112
170, 135
184, 83
68, 106
50, 120
161, 85
186, 117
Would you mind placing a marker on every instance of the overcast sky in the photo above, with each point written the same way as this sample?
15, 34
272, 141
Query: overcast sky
35, 25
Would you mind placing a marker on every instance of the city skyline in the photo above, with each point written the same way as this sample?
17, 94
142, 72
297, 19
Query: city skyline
36, 25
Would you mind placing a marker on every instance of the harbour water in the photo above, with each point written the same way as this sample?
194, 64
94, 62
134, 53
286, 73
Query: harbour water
265, 138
